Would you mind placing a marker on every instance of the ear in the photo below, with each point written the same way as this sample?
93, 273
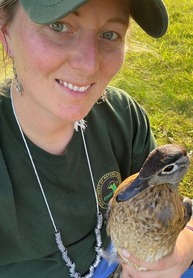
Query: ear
5, 40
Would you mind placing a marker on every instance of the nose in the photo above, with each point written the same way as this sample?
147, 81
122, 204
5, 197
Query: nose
85, 56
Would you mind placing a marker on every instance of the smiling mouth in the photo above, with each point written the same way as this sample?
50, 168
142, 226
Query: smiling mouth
72, 87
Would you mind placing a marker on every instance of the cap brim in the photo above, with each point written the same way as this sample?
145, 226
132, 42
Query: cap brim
43, 12
150, 15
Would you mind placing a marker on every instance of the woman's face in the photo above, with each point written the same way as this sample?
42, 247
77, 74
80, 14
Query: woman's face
65, 66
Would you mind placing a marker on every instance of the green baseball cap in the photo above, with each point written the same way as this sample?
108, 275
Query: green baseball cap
150, 15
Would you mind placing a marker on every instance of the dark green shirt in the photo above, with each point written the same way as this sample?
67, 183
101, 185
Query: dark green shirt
118, 139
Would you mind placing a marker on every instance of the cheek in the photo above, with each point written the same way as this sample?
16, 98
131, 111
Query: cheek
114, 61
38, 55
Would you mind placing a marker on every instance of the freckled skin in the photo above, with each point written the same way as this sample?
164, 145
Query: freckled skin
148, 224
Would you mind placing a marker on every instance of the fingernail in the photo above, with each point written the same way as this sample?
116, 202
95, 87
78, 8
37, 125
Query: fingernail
125, 253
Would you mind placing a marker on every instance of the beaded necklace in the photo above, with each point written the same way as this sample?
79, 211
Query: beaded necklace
58, 238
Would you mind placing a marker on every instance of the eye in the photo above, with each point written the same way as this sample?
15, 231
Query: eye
110, 35
169, 169
59, 27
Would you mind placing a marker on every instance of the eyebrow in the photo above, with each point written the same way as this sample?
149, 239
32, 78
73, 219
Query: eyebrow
76, 13
120, 20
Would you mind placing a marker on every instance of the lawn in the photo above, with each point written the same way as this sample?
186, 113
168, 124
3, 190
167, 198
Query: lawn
159, 75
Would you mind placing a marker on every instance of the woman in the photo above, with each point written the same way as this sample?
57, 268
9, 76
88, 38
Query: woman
58, 171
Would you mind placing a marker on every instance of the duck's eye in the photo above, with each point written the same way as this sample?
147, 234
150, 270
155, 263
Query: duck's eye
169, 169
59, 27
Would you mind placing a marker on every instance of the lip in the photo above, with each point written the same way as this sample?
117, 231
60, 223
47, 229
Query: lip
75, 88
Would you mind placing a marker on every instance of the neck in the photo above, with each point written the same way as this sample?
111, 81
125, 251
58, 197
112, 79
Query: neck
48, 133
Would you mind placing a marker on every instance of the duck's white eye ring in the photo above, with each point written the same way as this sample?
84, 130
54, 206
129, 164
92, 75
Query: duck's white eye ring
169, 169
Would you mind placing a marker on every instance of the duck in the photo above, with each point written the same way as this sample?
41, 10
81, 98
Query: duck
147, 213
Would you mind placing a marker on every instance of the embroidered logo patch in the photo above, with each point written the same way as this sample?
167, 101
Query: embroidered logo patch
106, 187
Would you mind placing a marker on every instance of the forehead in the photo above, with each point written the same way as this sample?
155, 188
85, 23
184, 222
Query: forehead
108, 5
113, 10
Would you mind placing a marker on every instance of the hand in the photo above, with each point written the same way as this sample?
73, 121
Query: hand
171, 266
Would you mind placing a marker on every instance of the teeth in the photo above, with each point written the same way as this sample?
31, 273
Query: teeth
81, 89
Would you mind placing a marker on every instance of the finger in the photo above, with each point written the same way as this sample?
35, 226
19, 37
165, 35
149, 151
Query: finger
130, 272
159, 265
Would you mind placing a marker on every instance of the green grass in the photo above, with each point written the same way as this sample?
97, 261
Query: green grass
159, 75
